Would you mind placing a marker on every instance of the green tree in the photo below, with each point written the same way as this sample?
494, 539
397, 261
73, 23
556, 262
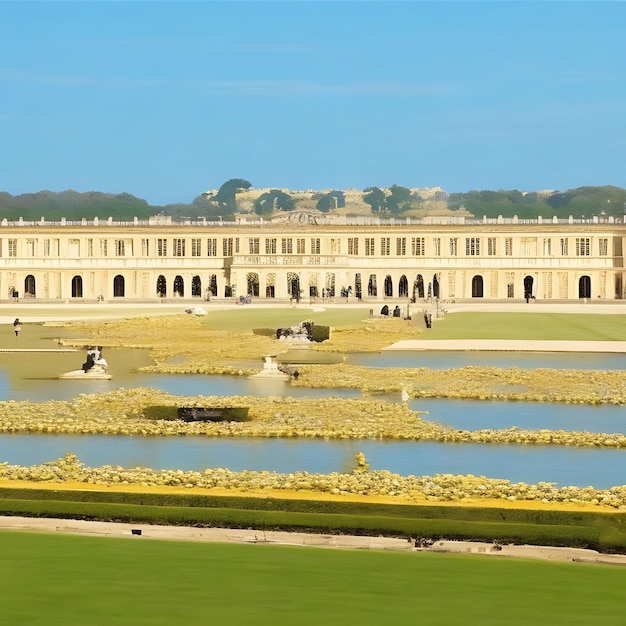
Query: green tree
225, 198
272, 201
330, 200
399, 199
375, 197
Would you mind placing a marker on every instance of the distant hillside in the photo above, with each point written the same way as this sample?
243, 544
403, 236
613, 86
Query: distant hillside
237, 198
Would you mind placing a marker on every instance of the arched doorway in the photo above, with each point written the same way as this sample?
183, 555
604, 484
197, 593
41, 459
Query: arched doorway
418, 287
196, 287
529, 283
213, 285
584, 287
330, 285
179, 286
77, 287
161, 286
293, 286
29, 286
477, 287
358, 287
388, 286
270, 286
403, 287
253, 284
372, 289
435, 286
118, 286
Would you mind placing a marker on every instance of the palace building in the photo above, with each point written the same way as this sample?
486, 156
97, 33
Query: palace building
309, 255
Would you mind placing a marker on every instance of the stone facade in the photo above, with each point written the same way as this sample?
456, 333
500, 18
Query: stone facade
304, 256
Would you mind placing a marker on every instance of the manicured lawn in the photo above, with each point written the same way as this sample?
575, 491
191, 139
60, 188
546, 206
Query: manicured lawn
65, 580
539, 326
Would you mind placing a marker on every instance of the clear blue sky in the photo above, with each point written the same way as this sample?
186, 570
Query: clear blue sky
165, 100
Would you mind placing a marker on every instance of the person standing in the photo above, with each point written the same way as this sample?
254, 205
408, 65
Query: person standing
17, 326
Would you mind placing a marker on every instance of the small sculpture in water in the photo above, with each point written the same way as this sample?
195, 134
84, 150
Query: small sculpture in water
95, 366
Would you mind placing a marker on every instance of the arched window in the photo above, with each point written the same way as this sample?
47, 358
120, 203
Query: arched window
418, 287
118, 286
403, 287
372, 290
77, 287
253, 284
213, 285
196, 287
161, 286
388, 286
179, 286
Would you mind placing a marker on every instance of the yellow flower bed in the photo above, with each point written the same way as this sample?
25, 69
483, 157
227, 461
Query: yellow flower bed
122, 412
438, 488
481, 383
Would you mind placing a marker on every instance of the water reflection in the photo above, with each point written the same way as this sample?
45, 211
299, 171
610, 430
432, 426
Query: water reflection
602, 468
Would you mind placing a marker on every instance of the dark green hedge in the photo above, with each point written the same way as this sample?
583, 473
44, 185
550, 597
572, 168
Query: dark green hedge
596, 530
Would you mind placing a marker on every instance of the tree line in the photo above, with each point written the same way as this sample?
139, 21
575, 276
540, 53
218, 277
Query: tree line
394, 201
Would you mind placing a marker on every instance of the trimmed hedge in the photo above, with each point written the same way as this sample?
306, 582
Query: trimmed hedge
603, 532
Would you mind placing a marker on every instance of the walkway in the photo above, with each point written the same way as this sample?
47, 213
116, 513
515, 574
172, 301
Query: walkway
509, 345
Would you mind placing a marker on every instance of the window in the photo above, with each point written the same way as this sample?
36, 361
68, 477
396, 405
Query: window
400, 246
30, 247
603, 244
564, 246
119, 247
12, 247
335, 246
253, 245
178, 246
227, 247
300, 245
104, 247
89, 247
418, 246
46, 247
236, 245
161, 247
369, 246
315, 246
196, 247
583, 246
437, 246
211, 247
286, 246
145, 247
453, 246
491, 246
547, 247
508, 246
270, 246
353, 245
385, 246
472, 246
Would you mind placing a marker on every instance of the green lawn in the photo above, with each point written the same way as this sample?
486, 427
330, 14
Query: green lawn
537, 326
65, 580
